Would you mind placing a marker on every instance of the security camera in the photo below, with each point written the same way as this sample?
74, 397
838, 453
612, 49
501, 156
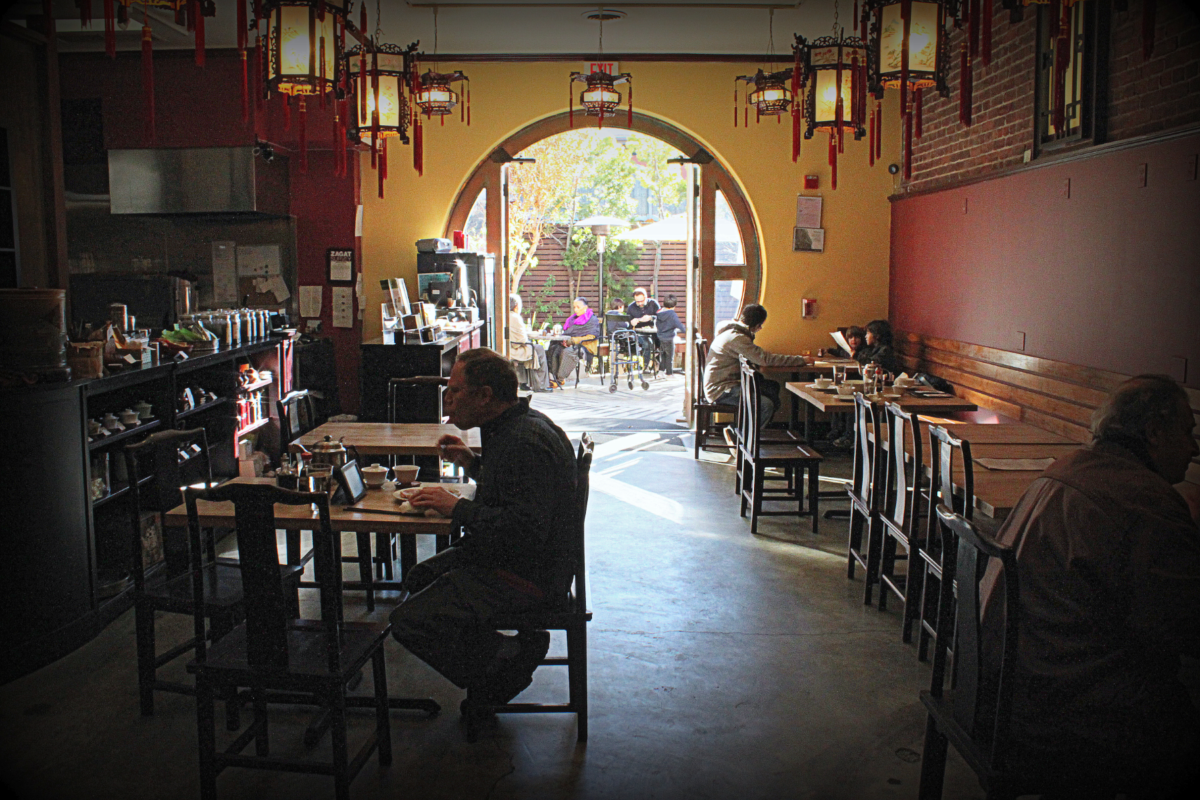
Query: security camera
265, 150
893, 169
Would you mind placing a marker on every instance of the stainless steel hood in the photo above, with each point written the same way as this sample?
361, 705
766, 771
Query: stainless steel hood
202, 180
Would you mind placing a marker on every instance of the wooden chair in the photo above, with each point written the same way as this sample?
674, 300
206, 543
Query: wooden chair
570, 612
297, 416
158, 467
792, 458
975, 720
765, 436
899, 527
937, 595
864, 493
708, 433
280, 658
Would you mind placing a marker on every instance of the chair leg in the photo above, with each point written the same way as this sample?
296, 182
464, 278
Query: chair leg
262, 738
814, 494
144, 624
887, 565
337, 734
874, 546
756, 493
383, 727
929, 593
218, 627
577, 677
699, 430
207, 738
933, 763
854, 540
364, 567
913, 589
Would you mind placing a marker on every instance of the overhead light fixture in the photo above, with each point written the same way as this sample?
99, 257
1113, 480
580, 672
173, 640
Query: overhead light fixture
908, 44
835, 71
433, 95
378, 73
772, 94
303, 52
600, 98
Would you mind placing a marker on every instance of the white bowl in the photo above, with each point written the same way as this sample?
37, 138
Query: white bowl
846, 389
406, 473
822, 383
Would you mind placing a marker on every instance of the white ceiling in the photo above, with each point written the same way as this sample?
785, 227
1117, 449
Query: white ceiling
522, 27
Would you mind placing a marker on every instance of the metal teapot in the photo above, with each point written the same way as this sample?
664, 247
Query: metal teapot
329, 452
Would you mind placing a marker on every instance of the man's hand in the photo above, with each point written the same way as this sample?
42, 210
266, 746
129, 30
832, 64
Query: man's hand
434, 497
452, 448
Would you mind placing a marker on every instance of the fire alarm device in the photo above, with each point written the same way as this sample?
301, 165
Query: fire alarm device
808, 308
811, 182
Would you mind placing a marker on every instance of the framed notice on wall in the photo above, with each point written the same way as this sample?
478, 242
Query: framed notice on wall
808, 240
341, 264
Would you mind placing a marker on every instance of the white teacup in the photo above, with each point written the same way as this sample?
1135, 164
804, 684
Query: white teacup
129, 417
406, 473
822, 383
375, 475
846, 389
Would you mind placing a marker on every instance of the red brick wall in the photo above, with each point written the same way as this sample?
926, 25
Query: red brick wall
1146, 95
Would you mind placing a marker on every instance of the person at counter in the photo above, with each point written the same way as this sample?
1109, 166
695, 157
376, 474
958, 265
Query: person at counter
1108, 560
583, 327
514, 541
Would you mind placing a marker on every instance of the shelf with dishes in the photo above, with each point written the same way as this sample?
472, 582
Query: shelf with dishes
98, 440
118, 491
205, 406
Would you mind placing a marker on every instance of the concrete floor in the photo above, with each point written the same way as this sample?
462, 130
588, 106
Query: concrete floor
722, 665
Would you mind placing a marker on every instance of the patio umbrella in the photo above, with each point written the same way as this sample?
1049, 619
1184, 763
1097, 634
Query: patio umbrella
674, 229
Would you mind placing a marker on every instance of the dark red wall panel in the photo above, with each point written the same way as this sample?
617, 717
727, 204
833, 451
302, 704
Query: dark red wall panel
1107, 277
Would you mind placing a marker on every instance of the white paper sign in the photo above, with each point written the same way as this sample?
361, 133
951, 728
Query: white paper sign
258, 260
310, 301
224, 267
343, 307
808, 211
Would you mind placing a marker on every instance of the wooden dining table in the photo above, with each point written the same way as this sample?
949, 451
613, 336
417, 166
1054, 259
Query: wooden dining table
829, 400
377, 512
388, 438
997, 490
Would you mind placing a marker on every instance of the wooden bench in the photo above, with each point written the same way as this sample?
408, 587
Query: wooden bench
1052, 395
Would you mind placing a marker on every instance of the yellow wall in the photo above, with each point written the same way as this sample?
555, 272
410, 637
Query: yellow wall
849, 280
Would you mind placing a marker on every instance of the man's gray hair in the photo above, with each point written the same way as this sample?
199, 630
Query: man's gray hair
483, 366
1127, 413
514, 302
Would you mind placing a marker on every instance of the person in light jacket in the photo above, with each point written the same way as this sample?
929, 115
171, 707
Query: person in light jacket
722, 373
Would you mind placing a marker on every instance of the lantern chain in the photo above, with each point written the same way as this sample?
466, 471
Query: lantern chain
835, 19
600, 14
378, 25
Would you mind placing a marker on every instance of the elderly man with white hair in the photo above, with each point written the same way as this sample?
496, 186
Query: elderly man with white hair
1108, 562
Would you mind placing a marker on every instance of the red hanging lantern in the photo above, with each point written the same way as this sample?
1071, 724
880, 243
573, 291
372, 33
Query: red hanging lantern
600, 98
835, 72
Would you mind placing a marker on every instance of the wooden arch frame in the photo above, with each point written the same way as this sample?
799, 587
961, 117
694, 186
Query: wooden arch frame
714, 177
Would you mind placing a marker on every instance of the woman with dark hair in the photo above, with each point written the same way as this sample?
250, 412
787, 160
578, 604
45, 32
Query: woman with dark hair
879, 348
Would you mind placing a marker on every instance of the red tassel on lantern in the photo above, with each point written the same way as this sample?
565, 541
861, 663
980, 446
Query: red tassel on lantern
795, 128
833, 160
917, 97
321, 74
871, 142
259, 66
1149, 13
629, 118
110, 29
321, 11
840, 105
375, 112
418, 147
907, 146
303, 136
906, 16
985, 33
382, 167
735, 102
199, 14
148, 77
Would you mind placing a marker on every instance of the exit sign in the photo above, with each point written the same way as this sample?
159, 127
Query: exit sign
611, 67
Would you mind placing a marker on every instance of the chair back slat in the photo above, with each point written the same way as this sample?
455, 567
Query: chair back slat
297, 415
982, 711
904, 472
701, 349
748, 410
946, 449
266, 599
866, 463
583, 469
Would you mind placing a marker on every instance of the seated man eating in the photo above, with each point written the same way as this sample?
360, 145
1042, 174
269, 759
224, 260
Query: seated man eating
515, 536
